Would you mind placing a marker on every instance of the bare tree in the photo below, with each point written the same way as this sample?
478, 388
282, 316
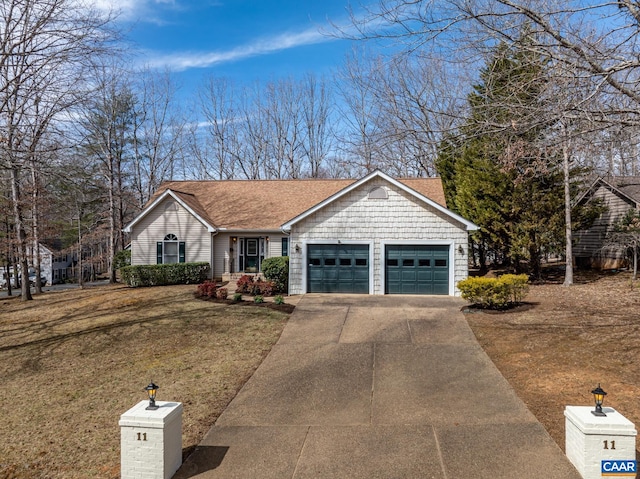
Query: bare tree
46, 46
316, 100
158, 132
108, 127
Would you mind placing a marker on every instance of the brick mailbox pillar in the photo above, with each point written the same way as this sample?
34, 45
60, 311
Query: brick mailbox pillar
600, 446
151, 441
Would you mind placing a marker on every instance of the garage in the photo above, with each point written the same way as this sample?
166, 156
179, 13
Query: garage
338, 268
416, 269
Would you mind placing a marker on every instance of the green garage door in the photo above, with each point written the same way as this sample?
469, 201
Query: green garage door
338, 268
417, 269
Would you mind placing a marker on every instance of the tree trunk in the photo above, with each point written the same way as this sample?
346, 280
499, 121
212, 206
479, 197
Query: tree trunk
21, 235
36, 226
568, 274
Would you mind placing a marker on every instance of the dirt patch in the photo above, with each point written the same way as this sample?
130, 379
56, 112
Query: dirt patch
569, 339
72, 362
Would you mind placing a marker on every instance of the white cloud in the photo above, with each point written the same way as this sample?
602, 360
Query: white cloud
186, 60
132, 9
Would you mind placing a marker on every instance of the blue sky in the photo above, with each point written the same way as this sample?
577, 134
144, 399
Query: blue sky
245, 40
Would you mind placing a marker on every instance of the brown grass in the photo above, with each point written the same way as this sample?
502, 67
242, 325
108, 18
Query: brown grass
72, 362
571, 339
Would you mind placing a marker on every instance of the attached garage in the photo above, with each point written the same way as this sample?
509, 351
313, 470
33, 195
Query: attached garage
416, 269
338, 268
379, 236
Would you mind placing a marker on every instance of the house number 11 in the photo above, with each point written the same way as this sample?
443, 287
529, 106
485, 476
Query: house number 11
606, 445
144, 438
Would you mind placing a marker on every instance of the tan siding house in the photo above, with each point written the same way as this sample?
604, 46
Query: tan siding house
618, 195
377, 235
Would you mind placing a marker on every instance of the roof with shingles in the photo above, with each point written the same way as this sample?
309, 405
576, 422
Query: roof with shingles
268, 204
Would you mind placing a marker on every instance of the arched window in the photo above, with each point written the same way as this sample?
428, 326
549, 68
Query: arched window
170, 250
378, 193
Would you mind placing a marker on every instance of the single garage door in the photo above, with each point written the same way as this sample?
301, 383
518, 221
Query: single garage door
417, 269
338, 268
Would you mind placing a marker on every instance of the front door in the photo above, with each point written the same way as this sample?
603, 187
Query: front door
251, 255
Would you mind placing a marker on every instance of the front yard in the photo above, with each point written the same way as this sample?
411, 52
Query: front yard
571, 339
72, 362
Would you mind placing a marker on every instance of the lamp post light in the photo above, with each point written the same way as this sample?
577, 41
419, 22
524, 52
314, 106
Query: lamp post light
598, 396
152, 389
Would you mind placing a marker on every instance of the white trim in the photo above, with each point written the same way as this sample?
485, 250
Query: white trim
378, 174
305, 243
151, 207
452, 266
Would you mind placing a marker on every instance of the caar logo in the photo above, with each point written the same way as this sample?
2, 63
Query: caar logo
611, 468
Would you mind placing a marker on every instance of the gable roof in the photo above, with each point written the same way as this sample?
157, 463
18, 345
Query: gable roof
402, 184
265, 205
626, 187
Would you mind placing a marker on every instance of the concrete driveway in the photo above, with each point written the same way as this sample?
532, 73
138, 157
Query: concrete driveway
377, 387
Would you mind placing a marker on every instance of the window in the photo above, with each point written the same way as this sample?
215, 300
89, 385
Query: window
314, 261
285, 246
441, 262
345, 261
361, 261
329, 261
407, 262
392, 262
170, 250
424, 262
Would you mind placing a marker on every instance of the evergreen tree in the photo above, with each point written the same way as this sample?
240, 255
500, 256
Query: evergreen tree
497, 174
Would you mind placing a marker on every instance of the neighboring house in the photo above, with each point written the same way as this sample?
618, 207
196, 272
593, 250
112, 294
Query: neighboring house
377, 235
619, 195
63, 267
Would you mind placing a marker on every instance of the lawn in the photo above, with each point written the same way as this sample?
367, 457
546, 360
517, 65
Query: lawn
72, 362
569, 340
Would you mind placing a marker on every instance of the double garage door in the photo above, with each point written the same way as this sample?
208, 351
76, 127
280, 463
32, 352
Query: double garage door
409, 269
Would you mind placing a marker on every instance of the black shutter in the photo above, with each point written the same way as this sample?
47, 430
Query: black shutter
181, 255
159, 252
285, 246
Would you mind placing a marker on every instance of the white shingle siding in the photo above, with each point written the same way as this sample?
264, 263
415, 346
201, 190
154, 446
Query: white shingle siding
400, 219
169, 218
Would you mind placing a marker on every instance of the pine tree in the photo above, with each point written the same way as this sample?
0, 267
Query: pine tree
497, 174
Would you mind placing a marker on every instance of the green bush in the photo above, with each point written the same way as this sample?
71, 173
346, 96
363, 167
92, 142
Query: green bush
122, 259
495, 293
276, 270
165, 274
258, 299
237, 297
278, 299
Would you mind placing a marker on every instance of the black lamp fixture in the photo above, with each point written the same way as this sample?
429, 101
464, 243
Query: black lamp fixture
598, 396
152, 389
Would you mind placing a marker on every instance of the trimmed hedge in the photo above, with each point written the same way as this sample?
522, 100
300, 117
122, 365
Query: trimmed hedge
164, 274
495, 293
276, 270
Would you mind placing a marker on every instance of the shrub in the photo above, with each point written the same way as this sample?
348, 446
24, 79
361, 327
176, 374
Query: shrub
263, 288
276, 270
207, 289
244, 283
122, 259
222, 293
495, 293
278, 299
258, 299
237, 297
165, 274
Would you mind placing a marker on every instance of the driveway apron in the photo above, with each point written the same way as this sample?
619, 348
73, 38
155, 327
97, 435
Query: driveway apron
368, 387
